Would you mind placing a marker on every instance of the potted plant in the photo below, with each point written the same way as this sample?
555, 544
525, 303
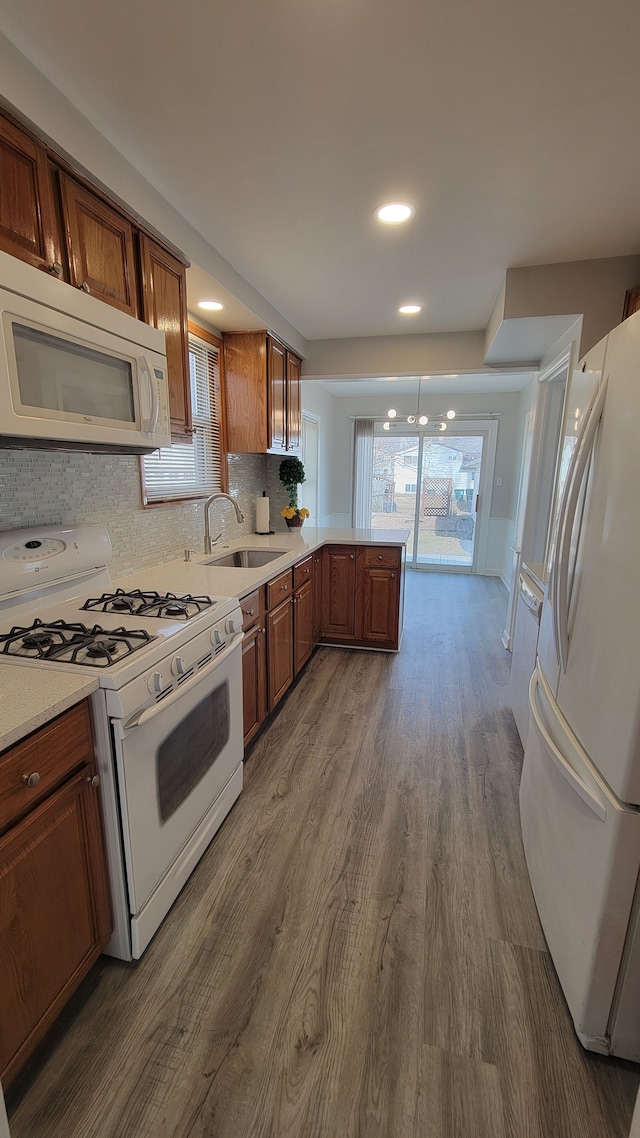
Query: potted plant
291, 475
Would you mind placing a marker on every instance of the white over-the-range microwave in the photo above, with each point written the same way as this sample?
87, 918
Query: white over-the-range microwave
75, 373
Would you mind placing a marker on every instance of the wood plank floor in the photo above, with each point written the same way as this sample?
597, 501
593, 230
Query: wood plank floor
358, 955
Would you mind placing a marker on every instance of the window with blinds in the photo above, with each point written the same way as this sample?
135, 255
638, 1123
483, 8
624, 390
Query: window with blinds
192, 470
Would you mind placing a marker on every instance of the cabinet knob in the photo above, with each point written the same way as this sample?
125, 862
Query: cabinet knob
84, 287
380, 558
30, 780
263, 631
93, 779
352, 556
250, 612
56, 269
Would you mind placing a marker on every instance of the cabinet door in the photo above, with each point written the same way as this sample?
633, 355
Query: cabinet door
294, 408
303, 626
277, 396
54, 914
339, 591
164, 301
28, 225
279, 651
99, 247
380, 605
254, 684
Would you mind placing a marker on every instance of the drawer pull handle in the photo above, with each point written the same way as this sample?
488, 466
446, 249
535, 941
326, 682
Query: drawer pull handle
84, 287
30, 780
93, 779
249, 612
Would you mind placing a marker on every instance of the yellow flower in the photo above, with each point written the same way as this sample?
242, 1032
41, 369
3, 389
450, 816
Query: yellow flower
288, 512
303, 513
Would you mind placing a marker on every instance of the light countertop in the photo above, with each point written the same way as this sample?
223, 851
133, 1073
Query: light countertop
30, 698
197, 577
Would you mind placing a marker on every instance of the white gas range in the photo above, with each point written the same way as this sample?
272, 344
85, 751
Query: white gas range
167, 717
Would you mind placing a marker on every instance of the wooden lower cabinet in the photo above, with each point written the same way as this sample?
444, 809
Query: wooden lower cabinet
339, 592
303, 626
254, 664
55, 915
361, 596
317, 596
279, 651
380, 596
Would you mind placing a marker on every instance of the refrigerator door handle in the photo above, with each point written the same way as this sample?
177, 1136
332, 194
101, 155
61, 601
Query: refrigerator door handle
585, 450
585, 792
553, 573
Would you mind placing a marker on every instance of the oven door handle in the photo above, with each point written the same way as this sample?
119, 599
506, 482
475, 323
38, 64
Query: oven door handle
148, 713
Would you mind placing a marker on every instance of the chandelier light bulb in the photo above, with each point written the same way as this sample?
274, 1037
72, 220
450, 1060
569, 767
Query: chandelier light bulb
442, 426
423, 420
451, 414
392, 413
386, 426
411, 419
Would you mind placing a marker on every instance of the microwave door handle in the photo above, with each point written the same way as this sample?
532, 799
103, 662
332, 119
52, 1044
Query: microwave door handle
585, 450
554, 572
145, 368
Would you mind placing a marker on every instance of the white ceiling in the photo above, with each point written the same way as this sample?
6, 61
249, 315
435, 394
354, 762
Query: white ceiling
277, 128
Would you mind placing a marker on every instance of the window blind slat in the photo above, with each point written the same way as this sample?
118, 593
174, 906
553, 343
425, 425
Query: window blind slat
190, 470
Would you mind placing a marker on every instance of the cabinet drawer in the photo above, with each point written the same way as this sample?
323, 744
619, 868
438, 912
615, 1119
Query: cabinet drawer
251, 609
279, 588
303, 572
381, 557
52, 753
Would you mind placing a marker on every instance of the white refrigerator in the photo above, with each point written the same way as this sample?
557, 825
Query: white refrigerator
580, 789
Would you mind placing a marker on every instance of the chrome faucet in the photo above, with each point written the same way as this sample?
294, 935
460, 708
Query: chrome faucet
208, 541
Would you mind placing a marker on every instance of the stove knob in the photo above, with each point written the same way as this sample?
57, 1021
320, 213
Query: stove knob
230, 627
154, 683
178, 666
216, 638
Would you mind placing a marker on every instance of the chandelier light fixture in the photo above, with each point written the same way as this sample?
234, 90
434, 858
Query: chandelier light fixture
418, 420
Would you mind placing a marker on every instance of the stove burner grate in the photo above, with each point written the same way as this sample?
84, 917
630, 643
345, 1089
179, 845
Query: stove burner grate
68, 643
150, 604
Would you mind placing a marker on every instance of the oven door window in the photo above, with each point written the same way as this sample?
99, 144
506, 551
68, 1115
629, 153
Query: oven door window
191, 749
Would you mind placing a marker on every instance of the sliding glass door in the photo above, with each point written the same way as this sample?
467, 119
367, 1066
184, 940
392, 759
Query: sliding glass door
429, 484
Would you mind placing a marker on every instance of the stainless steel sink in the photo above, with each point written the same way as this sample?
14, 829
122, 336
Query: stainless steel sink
246, 558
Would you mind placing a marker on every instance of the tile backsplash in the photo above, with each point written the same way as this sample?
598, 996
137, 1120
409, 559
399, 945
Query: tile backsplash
50, 487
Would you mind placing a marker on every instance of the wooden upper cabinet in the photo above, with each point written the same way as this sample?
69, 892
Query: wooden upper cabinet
28, 224
277, 395
294, 402
262, 379
164, 304
99, 247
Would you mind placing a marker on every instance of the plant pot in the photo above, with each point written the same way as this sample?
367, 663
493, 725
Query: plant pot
294, 523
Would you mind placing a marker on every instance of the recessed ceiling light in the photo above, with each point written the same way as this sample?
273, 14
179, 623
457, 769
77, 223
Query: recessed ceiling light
410, 309
393, 213
210, 305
